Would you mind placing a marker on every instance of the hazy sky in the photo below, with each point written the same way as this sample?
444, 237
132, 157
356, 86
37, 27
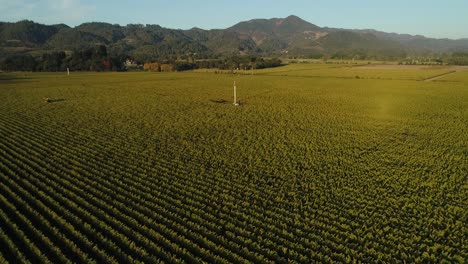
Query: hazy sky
432, 18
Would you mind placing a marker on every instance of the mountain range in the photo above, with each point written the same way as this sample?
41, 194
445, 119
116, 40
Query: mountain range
279, 37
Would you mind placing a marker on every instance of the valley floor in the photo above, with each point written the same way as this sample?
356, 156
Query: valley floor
319, 163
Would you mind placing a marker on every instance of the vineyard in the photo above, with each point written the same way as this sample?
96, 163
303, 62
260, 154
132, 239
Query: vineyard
318, 164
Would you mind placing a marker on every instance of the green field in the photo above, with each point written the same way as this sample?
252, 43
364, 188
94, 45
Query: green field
317, 164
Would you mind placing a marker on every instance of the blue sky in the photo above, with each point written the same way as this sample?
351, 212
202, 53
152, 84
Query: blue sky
432, 18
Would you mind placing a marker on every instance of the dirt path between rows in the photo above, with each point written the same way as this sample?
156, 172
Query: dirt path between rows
439, 76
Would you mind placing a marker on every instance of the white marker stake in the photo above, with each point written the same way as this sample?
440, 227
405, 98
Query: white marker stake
68, 71
235, 94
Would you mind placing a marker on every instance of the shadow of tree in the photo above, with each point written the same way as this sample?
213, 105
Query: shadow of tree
220, 101
6, 77
54, 100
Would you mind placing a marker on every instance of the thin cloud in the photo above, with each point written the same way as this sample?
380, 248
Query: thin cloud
47, 11
17, 10
70, 10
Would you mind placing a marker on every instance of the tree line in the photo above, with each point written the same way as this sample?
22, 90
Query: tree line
99, 59
229, 63
86, 59
459, 58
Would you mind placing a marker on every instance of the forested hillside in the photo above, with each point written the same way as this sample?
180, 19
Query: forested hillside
289, 37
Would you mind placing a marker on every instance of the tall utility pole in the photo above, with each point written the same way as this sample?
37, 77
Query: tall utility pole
235, 94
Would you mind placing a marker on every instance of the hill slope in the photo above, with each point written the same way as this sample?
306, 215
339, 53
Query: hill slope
268, 37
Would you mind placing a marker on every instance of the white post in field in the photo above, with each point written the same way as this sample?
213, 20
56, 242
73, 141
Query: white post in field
235, 94
68, 71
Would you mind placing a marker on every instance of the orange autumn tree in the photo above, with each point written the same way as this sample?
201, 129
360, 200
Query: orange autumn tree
154, 67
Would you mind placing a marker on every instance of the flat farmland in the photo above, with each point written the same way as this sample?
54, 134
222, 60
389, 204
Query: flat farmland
317, 164
362, 71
